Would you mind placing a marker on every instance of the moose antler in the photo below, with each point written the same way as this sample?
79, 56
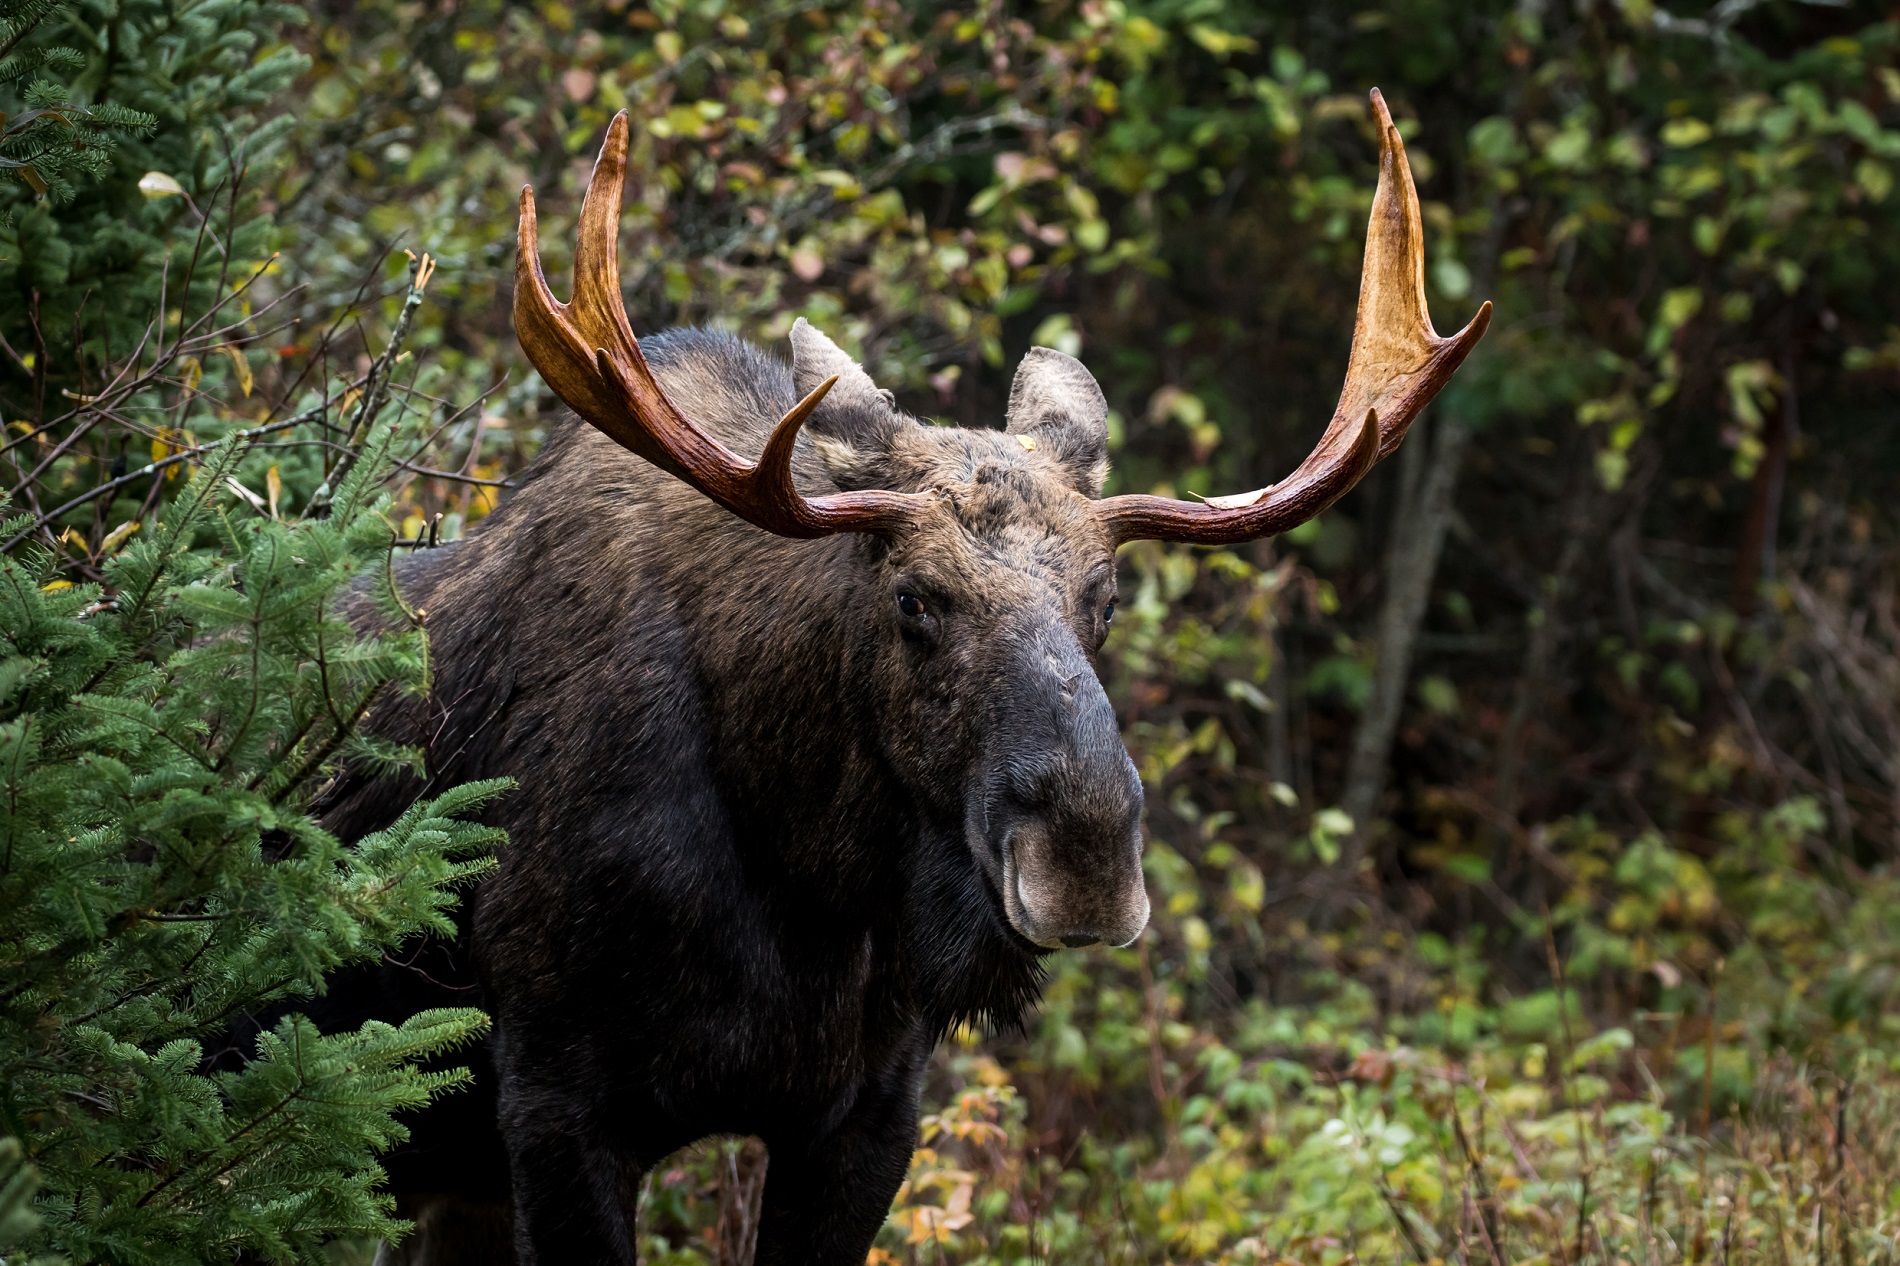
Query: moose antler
1397, 365
587, 352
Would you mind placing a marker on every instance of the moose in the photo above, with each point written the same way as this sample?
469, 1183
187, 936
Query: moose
814, 763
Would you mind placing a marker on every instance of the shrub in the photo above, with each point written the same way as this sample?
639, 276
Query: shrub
161, 733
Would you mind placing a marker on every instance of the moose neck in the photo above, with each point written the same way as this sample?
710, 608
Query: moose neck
784, 675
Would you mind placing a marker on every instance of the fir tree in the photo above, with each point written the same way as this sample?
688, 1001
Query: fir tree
161, 736
124, 129
47, 139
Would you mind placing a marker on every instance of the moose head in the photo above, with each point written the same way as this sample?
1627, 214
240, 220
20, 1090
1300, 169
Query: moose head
985, 575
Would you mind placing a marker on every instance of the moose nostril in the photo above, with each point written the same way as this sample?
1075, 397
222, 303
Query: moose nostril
1080, 939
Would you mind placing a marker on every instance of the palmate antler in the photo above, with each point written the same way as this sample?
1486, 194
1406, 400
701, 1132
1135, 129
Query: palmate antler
587, 353
1397, 365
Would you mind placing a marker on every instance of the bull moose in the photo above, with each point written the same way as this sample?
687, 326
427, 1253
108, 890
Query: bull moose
814, 762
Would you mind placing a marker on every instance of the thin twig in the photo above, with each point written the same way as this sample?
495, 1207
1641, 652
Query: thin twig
421, 269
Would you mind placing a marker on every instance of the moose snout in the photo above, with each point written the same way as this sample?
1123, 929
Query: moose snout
1063, 819
1069, 894
1055, 819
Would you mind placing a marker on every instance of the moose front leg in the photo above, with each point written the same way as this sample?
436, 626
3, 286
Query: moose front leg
825, 1198
574, 1194
574, 1201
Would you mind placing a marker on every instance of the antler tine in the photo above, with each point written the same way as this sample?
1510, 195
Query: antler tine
1398, 363
587, 352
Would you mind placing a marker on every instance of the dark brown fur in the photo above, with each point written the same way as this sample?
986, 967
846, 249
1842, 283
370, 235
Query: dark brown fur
775, 832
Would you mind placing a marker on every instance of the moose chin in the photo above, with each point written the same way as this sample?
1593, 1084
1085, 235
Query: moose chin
813, 759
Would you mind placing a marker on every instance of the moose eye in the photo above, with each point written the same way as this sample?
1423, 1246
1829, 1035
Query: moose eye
911, 605
1108, 614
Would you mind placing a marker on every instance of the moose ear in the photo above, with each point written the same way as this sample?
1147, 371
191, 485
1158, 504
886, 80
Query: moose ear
855, 413
1056, 401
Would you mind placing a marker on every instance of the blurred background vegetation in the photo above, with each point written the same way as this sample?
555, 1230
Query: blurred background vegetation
1523, 833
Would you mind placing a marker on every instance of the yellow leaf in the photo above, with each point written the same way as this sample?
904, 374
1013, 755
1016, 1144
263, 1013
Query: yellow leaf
958, 1206
1683, 133
118, 536
241, 367
273, 485
167, 442
54, 586
156, 184
190, 371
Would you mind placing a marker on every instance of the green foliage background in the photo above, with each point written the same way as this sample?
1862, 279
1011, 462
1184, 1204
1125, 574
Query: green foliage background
1608, 971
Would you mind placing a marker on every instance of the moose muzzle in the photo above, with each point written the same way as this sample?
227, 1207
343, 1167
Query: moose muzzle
1057, 822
